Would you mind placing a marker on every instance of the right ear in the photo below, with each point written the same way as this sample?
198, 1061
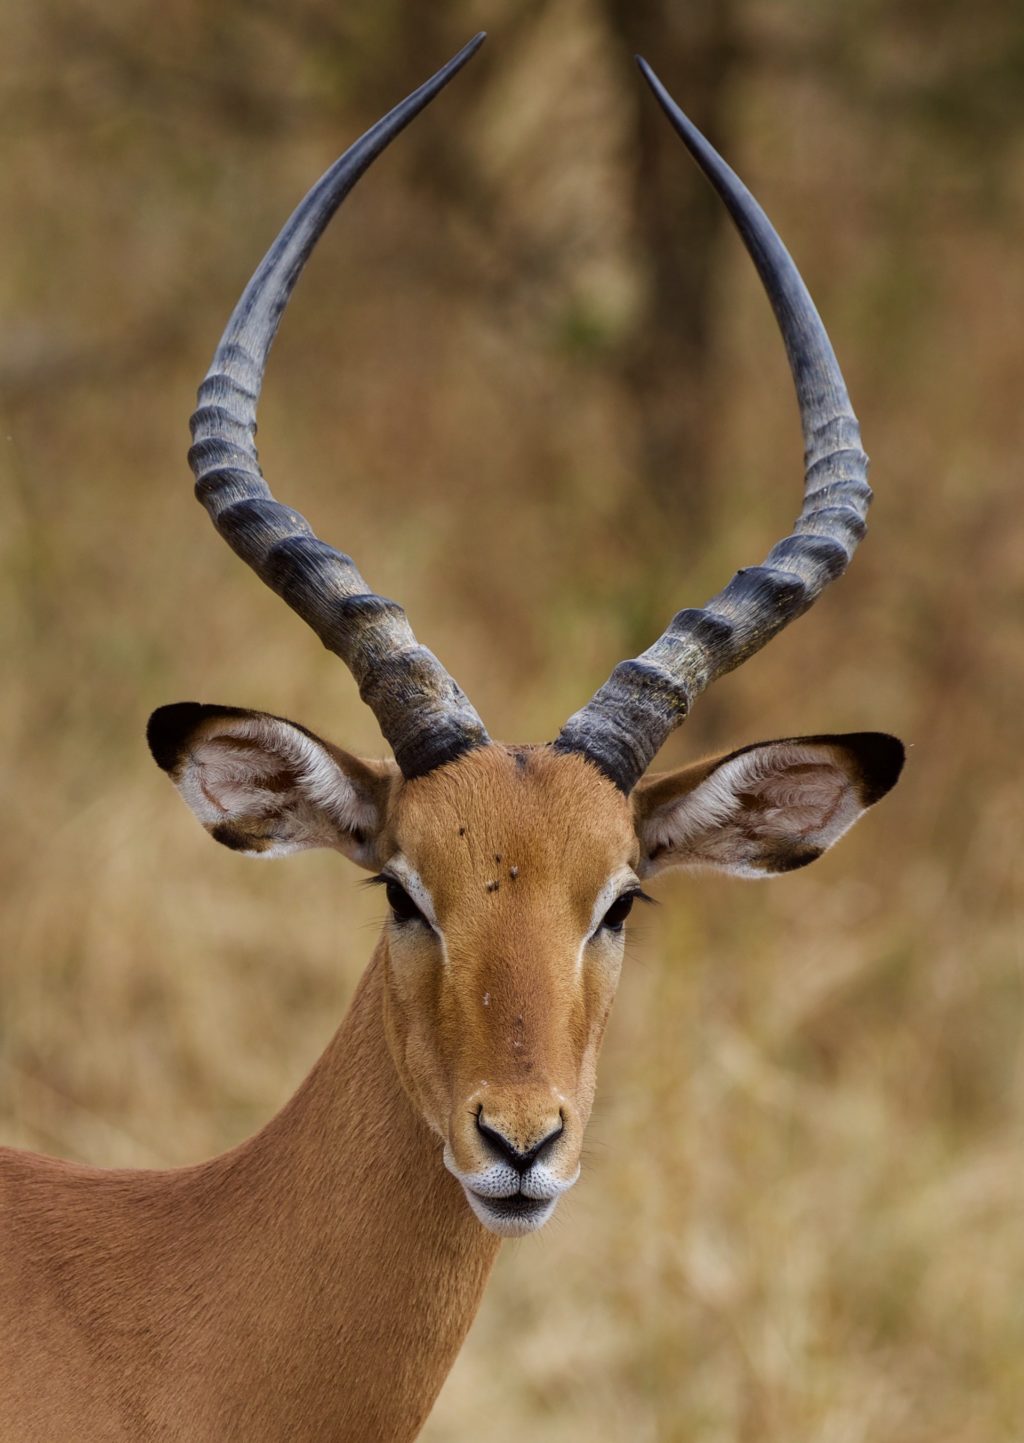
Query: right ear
264, 786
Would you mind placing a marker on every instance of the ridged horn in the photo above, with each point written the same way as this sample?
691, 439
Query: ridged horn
421, 710
622, 727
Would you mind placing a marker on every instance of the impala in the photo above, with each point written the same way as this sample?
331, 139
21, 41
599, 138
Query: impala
316, 1282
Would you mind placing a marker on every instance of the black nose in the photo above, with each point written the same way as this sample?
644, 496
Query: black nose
508, 1152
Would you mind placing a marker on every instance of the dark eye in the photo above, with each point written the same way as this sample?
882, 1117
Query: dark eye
401, 904
618, 912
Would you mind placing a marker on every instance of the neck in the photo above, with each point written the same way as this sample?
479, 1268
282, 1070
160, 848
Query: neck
315, 1282
367, 1264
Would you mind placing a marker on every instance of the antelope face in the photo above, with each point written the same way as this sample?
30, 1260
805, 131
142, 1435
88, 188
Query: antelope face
509, 875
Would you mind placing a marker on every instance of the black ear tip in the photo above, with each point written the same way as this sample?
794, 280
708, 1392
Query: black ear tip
882, 757
168, 728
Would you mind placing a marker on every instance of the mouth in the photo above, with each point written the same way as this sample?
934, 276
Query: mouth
511, 1217
506, 1201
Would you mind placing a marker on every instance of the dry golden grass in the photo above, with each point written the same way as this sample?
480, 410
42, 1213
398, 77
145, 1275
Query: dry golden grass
801, 1212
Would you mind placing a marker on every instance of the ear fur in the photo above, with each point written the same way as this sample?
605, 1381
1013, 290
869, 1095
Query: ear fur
267, 787
765, 809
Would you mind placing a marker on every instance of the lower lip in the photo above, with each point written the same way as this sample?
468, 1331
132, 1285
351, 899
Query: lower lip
516, 1208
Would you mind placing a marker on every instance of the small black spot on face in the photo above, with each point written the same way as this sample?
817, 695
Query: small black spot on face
462, 831
513, 872
497, 858
493, 886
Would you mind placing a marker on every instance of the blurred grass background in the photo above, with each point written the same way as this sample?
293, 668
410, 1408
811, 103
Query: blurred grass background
531, 383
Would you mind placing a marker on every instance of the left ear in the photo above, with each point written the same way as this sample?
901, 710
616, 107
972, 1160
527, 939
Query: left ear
267, 787
765, 809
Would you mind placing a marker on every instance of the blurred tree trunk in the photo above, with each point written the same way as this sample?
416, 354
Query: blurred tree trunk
664, 363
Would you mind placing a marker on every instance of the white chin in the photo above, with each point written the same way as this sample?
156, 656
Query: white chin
511, 1217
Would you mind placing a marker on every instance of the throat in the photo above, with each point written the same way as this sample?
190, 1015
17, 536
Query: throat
366, 1266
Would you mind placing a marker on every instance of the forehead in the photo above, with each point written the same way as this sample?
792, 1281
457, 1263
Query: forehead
513, 816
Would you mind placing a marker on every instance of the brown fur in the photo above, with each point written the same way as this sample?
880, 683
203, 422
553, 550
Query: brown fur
530, 1051
263, 1295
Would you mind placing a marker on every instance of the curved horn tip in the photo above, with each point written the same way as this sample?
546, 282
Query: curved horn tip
677, 116
471, 46
645, 69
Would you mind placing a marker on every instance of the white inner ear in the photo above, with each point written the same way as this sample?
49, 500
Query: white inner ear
253, 768
781, 794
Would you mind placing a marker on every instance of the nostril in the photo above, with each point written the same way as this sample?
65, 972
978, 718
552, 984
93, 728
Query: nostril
507, 1150
499, 1142
553, 1136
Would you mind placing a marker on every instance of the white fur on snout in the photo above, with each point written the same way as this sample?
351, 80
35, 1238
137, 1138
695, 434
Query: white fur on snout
500, 1181
509, 1226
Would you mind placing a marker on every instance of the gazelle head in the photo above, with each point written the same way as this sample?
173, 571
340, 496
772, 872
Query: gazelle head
510, 871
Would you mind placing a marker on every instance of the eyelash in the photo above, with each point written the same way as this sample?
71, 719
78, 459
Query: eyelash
625, 904
403, 908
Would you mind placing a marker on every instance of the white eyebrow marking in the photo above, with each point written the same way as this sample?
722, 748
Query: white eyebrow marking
616, 884
407, 875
